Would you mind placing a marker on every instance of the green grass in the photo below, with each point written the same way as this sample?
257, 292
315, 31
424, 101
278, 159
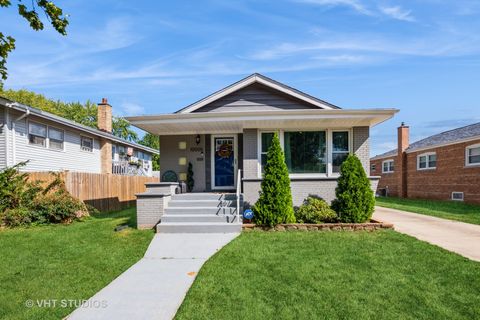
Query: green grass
443, 209
333, 275
64, 262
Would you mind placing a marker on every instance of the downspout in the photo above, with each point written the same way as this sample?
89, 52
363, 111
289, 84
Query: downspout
23, 116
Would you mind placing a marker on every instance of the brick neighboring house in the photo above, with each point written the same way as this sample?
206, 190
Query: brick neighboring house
445, 166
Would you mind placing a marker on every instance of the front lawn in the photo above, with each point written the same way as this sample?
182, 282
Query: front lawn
64, 262
333, 275
443, 209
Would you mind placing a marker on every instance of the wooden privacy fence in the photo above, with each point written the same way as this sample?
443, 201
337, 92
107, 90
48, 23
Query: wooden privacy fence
106, 192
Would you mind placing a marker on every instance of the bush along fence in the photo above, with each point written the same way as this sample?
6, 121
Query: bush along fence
105, 192
351, 210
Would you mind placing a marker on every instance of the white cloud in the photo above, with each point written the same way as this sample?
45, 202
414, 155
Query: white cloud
130, 109
398, 13
353, 4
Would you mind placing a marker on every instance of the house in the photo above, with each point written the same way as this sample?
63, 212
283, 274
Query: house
445, 166
53, 143
225, 137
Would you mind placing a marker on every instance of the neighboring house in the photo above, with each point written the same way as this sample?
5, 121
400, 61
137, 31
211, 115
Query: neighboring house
445, 166
53, 143
232, 129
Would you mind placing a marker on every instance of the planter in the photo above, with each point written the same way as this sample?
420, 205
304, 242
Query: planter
369, 226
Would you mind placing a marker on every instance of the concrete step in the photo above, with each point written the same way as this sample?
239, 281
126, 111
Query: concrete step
204, 196
198, 218
201, 203
201, 210
198, 227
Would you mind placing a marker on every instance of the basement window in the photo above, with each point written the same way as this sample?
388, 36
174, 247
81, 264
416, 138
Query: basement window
427, 161
388, 166
457, 196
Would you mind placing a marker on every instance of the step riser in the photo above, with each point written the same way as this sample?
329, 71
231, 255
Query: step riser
210, 211
230, 228
201, 203
199, 218
206, 196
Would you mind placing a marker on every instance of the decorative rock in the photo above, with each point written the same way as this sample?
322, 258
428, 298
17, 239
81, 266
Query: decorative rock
291, 227
280, 228
301, 227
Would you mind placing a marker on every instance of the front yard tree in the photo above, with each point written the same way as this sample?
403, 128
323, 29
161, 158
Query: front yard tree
275, 205
53, 13
355, 200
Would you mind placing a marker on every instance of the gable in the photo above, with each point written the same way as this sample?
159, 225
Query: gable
255, 97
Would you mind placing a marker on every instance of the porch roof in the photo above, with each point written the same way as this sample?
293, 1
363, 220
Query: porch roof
235, 122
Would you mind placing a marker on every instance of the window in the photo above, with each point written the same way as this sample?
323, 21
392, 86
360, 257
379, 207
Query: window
473, 155
427, 161
306, 152
86, 144
265, 142
340, 149
388, 166
457, 196
37, 134
373, 167
122, 152
55, 138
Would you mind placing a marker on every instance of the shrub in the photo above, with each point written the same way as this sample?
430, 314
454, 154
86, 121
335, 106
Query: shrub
190, 180
274, 204
23, 202
355, 200
315, 210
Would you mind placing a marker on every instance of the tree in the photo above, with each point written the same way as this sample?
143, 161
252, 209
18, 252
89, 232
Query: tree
53, 13
275, 204
355, 200
152, 141
121, 128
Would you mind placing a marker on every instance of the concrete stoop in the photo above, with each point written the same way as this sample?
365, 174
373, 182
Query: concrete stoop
201, 213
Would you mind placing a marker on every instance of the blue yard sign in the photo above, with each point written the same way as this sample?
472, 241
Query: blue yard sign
248, 214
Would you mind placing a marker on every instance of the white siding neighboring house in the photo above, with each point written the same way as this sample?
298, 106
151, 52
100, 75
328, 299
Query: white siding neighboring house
52, 143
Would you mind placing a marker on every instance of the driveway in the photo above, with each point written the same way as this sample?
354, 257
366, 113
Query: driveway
459, 237
155, 287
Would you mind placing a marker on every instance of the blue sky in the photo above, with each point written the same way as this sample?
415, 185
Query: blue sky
150, 57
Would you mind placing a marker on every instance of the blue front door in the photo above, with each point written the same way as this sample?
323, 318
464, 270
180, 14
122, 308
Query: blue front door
224, 162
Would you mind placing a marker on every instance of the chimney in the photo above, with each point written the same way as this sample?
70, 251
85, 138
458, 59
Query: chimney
403, 137
104, 116
104, 123
401, 165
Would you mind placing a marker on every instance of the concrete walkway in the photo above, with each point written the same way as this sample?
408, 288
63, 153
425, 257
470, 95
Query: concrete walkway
155, 286
455, 236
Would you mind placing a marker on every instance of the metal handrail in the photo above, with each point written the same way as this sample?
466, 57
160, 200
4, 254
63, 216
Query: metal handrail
239, 178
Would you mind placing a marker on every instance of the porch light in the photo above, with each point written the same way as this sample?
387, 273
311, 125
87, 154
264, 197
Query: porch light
197, 139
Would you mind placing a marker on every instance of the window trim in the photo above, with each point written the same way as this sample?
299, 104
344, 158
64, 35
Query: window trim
48, 138
45, 145
467, 155
383, 167
427, 155
93, 143
329, 147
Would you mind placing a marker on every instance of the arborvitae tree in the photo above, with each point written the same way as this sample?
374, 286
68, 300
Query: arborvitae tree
275, 205
190, 180
355, 200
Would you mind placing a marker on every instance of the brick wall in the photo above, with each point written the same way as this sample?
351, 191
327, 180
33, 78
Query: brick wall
450, 175
387, 180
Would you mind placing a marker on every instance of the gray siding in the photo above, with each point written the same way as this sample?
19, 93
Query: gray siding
250, 157
3, 142
361, 146
254, 98
170, 154
72, 158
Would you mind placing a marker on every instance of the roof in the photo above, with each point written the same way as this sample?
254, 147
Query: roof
72, 124
458, 135
257, 78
